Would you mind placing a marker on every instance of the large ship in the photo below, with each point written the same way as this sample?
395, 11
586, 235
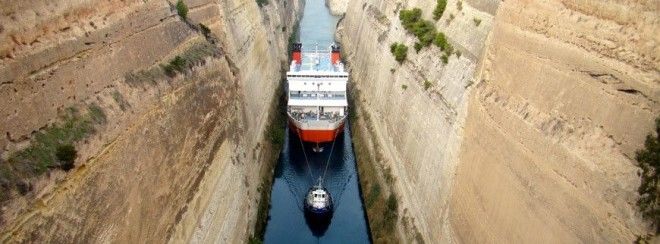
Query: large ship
316, 92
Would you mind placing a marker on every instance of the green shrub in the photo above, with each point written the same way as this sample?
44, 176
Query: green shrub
119, 99
418, 237
393, 47
254, 240
46, 147
96, 114
477, 21
424, 31
182, 9
205, 30
649, 162
261, 3
66, 154
177, 64
449, 49
390, 213
418, 46
440, 40
427, 84
276, 135
374, 193
444, 58
404, 87
409, 17
459, 6
392, 203
468, 84
439, 9
400, 51
194, 55
458, 53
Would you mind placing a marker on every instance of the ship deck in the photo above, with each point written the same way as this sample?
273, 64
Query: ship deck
316, 61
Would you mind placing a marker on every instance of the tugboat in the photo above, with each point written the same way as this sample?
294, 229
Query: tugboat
318, 202
316, 94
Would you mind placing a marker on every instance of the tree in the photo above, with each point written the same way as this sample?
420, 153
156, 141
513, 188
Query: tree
649, 162
182, 9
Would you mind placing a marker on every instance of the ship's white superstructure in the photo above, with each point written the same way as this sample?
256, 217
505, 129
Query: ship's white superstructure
316, 92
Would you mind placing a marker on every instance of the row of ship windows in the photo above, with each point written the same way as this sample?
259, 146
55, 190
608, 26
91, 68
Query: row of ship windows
320, 76
315, 94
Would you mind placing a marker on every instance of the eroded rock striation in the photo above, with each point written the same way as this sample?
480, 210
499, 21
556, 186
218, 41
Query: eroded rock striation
180, 153
528, 134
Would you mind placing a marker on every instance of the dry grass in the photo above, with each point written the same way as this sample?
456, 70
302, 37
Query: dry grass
51, 148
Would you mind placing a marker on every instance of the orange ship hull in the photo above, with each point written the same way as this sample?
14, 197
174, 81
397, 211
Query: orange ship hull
317, 136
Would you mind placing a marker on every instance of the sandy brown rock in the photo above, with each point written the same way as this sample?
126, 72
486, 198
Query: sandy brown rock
530, 135
568, 92
419, 129
179, 148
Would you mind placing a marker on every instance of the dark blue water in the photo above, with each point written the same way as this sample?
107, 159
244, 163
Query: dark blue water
287, 223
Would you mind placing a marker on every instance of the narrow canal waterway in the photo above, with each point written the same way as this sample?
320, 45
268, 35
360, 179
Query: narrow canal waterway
287, 223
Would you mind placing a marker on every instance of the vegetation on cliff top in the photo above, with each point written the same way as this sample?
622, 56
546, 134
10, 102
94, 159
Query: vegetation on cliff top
649, 189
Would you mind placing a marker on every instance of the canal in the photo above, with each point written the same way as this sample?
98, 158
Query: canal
287, 223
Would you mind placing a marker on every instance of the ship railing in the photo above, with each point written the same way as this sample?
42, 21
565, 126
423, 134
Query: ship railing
330, 117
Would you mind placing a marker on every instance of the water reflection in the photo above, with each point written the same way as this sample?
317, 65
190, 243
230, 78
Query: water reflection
317, 225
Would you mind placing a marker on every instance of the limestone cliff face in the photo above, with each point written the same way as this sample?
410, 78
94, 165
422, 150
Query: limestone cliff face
567, 93
537, 144
176, 153
419, 129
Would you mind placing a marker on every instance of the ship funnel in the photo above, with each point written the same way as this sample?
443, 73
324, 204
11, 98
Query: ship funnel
335, 54
296, 54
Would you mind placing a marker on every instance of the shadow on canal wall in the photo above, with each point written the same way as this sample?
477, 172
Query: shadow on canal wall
376, 181
275, 136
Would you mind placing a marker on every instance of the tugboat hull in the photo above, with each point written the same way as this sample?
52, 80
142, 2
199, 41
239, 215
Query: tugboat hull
318, 202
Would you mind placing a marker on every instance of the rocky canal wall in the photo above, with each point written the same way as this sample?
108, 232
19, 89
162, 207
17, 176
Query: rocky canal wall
527, 135
178, 149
